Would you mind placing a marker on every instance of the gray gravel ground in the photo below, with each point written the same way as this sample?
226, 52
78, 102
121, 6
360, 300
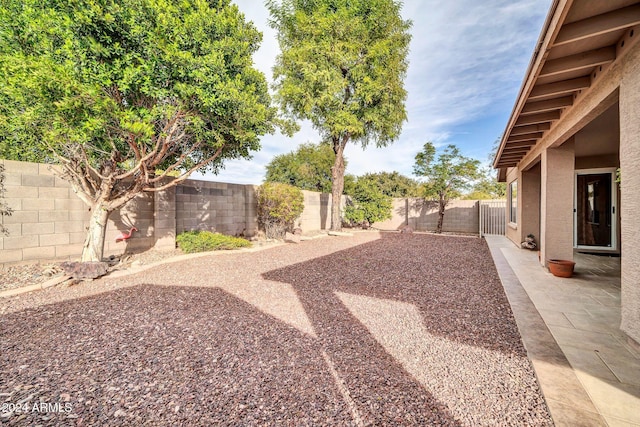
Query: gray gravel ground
375, 329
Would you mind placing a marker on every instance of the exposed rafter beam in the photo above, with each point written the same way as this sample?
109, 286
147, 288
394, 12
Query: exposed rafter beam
538, 118
579, 61
507, 154
548, 105
519, 145
600, 24
521, 130
560, 88
525, 137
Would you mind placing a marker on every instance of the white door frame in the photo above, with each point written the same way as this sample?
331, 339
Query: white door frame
614, 207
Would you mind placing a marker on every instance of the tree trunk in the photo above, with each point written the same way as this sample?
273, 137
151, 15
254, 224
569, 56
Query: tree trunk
93, 249
337, 185
442, 204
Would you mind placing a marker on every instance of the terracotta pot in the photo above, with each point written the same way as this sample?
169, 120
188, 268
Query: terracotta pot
561, 267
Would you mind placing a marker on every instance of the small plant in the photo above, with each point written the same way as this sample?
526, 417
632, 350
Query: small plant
5, 210
278, 207
369, 204
202, 241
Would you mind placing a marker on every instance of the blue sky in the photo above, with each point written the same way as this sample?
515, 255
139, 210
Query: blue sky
466, 64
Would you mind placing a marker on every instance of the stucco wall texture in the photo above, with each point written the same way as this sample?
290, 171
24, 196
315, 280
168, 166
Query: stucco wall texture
630, 196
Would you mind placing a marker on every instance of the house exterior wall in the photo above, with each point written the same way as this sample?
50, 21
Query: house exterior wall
513, 230
530, 203
630, 196
556, 202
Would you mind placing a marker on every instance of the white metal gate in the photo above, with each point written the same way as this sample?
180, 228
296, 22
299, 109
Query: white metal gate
493, 216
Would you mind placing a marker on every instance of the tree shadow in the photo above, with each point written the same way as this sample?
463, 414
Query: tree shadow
364, 301
196, 356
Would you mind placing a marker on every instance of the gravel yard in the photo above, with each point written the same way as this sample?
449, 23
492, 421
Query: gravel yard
374, 329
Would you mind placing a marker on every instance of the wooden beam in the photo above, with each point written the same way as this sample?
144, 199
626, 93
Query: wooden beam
506, 154
523, 144
548, 105
538, 118
560, 88
521, 130
580, 61
525, 137
599, 24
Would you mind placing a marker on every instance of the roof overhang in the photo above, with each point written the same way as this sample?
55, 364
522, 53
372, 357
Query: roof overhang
579, 39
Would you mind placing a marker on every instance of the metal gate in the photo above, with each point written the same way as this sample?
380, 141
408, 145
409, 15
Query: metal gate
493, 217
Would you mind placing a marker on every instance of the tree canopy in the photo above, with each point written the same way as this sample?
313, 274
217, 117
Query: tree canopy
447, 176
393, 184
308, 167
368, 204
114, 91
342, 66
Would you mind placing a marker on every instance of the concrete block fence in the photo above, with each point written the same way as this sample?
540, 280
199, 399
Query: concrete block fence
50, 222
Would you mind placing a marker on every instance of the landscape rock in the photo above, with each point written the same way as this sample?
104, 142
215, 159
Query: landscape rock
85, 270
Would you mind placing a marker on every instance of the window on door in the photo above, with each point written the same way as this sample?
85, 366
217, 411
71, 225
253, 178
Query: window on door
594, 210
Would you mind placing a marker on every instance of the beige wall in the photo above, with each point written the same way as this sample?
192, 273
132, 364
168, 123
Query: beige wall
630, 194
50, 222
556, 202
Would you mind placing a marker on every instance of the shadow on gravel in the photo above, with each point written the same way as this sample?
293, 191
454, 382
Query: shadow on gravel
430, 305
197, 356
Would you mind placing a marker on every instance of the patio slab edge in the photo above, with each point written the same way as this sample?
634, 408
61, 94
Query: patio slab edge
568, 402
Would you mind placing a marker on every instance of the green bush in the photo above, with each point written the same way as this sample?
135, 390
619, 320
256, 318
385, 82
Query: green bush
201, 241
368, 204
278, 207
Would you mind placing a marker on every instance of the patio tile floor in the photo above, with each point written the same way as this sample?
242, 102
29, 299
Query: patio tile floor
588, 372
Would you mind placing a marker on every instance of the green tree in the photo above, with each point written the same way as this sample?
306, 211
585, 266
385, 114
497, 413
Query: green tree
487, 186
342, 66
393, 184
5, 210
114, 91
308, 167
279, 205
368, 205
446, 177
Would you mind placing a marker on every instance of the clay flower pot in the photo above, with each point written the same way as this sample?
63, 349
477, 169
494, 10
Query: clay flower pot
561, 267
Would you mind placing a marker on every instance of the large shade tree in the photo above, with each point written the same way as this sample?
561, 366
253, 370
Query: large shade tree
447, 176
308, 167
342, 66
123, 94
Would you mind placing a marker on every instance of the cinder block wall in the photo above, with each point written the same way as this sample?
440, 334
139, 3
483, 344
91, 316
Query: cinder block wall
214, 206
50, 222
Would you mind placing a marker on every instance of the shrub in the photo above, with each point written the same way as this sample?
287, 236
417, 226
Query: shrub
368, 204
201, 241
278, 207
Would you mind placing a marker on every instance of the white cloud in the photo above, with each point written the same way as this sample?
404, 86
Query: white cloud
467, 61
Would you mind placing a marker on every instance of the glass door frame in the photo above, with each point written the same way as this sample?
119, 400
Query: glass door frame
614, 207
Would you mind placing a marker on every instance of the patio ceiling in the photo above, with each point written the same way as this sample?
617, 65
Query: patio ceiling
579, 40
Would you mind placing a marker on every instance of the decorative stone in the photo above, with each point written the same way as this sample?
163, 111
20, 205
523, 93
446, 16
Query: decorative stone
85, 270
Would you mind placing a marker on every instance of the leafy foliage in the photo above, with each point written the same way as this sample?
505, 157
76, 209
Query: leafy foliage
116, 90
202, 241
447, 176
342, 67
393, 184
368, 205
5, 210
279, 205
487, 187
308, 167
